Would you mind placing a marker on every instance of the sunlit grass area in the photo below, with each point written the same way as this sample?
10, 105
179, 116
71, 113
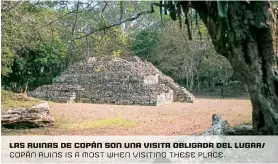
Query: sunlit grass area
100, 123
15, 100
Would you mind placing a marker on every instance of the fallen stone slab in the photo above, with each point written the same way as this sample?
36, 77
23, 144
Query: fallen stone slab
35, 116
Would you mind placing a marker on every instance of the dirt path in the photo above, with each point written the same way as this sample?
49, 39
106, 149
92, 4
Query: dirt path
171, 119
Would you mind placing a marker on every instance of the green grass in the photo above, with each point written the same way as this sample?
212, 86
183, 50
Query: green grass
16, 100
51, 102
101, 123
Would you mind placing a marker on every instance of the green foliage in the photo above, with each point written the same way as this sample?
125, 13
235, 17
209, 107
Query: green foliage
7, 60
117, 53
215, 68
145, 43
47, 61
97, 70
30, 58
36, 67
190, 63
203, 30
41, 39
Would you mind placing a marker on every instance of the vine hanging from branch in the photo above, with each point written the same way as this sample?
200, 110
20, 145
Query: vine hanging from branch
177, 9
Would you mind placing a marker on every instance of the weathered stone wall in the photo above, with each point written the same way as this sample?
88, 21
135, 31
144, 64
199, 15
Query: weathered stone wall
180, 93
112, 81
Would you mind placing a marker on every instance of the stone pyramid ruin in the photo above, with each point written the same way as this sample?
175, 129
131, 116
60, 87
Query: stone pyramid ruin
113, 81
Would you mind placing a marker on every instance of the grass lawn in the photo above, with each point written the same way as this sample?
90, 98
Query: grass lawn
15, 100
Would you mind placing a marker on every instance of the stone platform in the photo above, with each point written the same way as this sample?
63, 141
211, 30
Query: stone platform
113, 81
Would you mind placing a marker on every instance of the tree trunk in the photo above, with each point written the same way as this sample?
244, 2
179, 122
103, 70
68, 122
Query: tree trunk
250, 51
209, 80
26, 87
198, 81
191, 80
187, 80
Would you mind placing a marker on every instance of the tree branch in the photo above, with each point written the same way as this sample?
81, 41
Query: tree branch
76, 15
5, 10
49, 23
116, 24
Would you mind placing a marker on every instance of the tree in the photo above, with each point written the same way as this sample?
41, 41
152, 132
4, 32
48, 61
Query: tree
196, 65
30, 58
144, 44
243, 34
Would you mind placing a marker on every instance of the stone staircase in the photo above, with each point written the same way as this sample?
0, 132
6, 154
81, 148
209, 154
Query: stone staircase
189, 96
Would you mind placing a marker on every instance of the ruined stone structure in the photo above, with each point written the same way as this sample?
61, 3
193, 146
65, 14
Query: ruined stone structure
113, 81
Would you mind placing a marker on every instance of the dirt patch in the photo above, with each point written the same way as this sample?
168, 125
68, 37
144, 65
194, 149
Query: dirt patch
170, 119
